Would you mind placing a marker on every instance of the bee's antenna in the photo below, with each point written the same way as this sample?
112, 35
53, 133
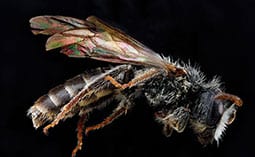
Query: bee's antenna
225, 96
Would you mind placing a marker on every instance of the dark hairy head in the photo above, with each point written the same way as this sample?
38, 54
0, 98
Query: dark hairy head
214, 110
197, 103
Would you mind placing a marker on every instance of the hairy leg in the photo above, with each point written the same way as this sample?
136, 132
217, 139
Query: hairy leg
146, 75
66, 109
80, 128
121, 109
108, 120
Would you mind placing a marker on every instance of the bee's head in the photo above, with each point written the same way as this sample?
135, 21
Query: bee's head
213, 112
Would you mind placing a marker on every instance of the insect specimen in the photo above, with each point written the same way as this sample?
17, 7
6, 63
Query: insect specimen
179, 95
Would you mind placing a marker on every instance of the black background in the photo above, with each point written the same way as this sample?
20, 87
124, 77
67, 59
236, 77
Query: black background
218, 35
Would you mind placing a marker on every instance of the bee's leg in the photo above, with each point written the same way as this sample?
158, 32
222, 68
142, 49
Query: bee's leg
65, 110
113, 81
121, 109
134, 81
108, 120
80, 128
176, 119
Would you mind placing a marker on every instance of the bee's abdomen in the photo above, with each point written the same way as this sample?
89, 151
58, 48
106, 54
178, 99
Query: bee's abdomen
49, 105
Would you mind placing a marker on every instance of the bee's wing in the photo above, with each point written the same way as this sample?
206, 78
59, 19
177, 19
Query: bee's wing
123, 47
95, 39
49, 25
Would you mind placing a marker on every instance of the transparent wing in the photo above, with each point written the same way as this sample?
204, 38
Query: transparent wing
95, 39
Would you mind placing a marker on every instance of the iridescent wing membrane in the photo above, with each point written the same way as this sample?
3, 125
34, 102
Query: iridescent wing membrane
94, 39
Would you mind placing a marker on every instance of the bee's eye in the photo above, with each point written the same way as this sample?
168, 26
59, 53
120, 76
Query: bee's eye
215, 114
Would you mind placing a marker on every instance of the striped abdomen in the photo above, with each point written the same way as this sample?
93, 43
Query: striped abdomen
49, 105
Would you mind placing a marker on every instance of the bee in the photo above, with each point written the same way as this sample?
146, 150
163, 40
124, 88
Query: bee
179, 94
